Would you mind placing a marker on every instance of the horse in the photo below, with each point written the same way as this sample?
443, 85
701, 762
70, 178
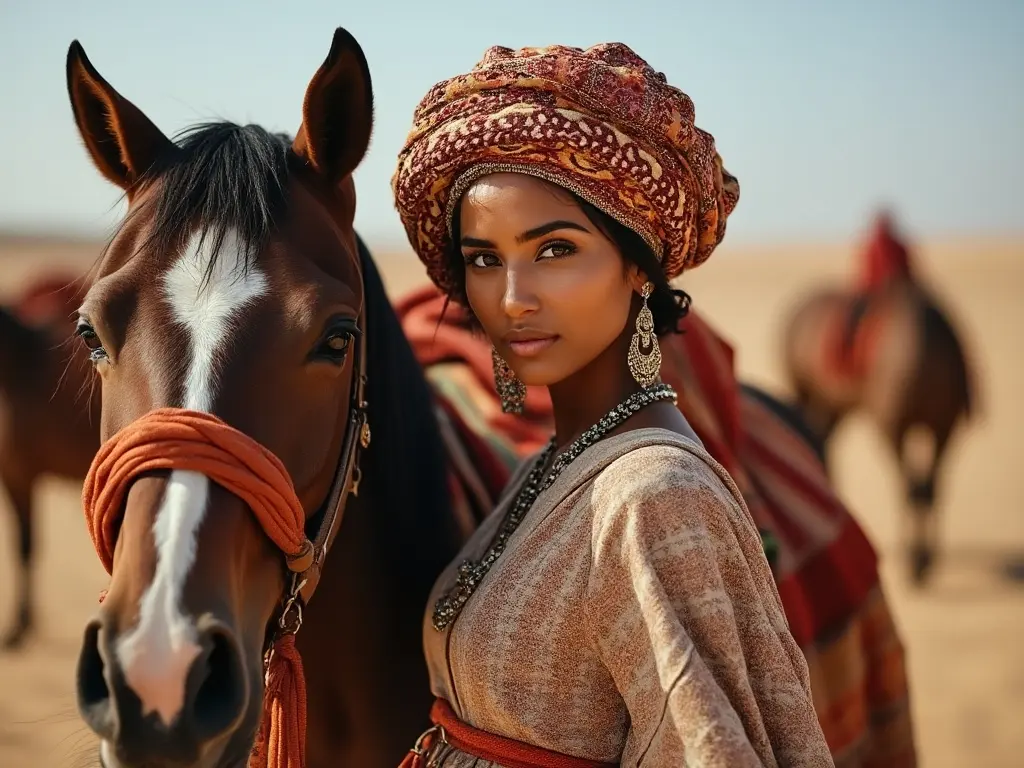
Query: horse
894, 354
49, 420
237, 286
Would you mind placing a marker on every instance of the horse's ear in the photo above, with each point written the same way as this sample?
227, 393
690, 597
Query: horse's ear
122, 141
337, 113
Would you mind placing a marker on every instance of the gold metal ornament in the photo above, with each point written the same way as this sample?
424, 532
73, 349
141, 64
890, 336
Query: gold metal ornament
511, 390
644, 354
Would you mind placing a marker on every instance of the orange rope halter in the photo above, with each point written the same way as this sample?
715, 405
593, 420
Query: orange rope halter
176, 438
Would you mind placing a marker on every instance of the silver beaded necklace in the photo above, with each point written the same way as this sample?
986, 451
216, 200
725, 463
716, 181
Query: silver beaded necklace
470, 573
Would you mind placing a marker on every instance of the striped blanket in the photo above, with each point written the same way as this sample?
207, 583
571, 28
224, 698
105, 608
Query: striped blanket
825, 567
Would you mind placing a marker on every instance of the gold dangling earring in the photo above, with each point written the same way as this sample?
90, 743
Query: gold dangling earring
645, 365
511, 390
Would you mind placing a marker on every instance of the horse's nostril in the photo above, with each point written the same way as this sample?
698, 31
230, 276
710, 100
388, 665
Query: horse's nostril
93, 693
216, 695
221, 695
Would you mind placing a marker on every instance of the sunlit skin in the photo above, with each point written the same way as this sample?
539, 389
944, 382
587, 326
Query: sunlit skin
556, 298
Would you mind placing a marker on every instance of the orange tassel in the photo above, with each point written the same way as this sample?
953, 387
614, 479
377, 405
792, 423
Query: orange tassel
281, 741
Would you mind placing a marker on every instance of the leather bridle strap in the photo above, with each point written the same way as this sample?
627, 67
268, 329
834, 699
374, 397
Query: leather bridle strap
307, 568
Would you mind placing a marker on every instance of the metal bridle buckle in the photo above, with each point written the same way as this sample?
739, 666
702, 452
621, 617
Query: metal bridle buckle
292, 607
293, 602
420, 750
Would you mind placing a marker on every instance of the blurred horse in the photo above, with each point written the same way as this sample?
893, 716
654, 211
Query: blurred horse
887, 348
49, 418
237, 293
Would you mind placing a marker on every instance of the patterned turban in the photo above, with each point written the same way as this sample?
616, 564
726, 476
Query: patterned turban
600, 123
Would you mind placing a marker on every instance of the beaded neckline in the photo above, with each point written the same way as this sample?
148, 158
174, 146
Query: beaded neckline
470, 573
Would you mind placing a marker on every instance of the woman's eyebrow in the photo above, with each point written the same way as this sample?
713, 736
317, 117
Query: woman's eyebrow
530, 234
551, 226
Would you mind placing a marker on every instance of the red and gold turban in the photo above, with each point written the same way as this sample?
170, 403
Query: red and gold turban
600, 122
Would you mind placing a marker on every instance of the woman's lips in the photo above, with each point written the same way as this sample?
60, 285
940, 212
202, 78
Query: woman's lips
531, 347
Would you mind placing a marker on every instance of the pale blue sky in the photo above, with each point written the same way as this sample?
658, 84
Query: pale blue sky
822, 109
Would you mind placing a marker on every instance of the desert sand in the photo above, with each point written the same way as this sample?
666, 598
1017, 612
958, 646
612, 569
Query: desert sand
963, 632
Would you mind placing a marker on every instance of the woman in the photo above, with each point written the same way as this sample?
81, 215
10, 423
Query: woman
617, 609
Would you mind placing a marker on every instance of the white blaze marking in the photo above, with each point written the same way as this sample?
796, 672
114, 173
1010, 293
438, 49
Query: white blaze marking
157, 655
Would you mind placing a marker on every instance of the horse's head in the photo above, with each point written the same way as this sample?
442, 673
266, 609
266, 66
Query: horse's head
233, 287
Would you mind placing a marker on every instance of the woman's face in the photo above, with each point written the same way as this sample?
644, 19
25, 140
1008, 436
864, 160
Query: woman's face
549, 288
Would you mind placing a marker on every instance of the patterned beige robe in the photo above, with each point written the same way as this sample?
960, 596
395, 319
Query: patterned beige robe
632, 619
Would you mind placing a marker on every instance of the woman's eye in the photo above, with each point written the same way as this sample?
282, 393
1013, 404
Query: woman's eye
557, 251
88, 335
483, 259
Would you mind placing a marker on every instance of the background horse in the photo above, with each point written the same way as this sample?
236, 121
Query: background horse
894, 354
49, 418
237, 286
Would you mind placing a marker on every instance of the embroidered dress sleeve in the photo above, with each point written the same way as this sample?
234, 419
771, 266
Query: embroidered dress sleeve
682, 609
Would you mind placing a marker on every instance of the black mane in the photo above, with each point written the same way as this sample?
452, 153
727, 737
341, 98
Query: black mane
221, 178
405, 465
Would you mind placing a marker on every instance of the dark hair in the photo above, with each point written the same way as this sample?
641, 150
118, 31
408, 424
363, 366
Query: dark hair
220, 178
668, 305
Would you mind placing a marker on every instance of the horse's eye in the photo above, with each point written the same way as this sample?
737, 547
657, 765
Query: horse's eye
88, 335
338, 342
334, 345
337, 338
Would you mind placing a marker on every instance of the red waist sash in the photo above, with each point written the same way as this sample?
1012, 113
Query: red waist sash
449, 729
